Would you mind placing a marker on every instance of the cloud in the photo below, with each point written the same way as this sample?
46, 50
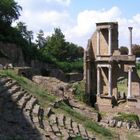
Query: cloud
85, 25
77, 29
61, 2
86, 20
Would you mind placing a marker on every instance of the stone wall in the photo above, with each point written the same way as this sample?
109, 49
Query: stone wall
44, 69
13, 54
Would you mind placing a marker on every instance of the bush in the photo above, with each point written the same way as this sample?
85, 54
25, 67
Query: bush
137, 65
130, 117
80, 92
75, 66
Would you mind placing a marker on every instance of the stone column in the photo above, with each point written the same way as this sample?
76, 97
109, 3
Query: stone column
88, 72
98, 41
129, 83
130, 39
98, 81
109, 81
110, 41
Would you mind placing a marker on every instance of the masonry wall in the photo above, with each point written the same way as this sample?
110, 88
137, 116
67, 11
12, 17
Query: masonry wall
14, 54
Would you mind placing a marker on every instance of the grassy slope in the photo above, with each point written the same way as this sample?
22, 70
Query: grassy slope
42, 95
45, 98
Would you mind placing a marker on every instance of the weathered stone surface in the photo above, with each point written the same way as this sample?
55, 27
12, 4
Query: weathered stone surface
128, 125
52, 119
68, 122
22, 102
30, 103
112, 123
14, 52
119, 124
60, 118
22, 108
82, 131
75, 128
36, 109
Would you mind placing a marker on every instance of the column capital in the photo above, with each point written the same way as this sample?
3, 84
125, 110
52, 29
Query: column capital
98, 30
130, 69
130, 28
110, 67
110, 28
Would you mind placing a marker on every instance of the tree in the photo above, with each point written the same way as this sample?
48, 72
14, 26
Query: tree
22, 28
9, 11
123, 50
136, 50
56, 45
41, 40
58, 48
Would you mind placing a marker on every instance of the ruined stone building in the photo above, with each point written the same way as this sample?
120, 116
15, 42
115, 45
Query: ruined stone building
104, 66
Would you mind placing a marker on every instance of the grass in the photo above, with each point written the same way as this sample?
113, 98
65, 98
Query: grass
105, 134
43, 96
131, 136
122, 86
80, 91
138, 71
127, 117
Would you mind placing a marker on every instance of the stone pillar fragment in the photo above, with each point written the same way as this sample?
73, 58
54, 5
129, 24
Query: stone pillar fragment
130, 41
109, 41
129, 94
98, 81
109, 81
98, 42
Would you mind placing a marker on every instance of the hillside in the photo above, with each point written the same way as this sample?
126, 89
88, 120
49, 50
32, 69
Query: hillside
30, 112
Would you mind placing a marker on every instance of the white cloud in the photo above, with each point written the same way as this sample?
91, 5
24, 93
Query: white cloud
79, 29
62, 2
86, 19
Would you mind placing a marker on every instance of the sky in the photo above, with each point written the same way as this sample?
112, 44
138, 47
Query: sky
77, 18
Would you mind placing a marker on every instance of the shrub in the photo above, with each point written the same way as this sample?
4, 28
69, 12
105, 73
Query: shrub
130, 117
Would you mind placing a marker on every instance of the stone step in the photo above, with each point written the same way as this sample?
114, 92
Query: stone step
65, 134
13, 89
83, 131
54, 137
47, 126
56, 130
68, 123
60, 118
10, 91
4, 80
48, 112
22, 102
17, 96
7, 86
52, 119
30, 103
36, 109
75, 128
36, 114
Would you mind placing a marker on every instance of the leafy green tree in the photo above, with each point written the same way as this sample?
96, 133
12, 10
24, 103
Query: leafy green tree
56, 44
136, 50
57, 47
22, 28
41, 40
123, 50
9, 11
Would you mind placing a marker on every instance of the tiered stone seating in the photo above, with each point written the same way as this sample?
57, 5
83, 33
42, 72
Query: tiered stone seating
23, 116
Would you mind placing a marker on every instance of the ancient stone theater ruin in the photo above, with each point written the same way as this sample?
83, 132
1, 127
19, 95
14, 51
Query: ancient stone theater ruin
104, 66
